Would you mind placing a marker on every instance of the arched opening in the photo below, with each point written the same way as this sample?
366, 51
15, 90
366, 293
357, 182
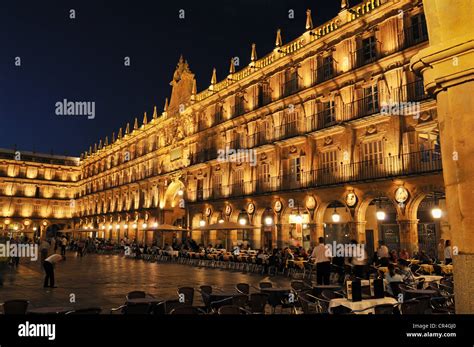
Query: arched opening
432, 224
336, 223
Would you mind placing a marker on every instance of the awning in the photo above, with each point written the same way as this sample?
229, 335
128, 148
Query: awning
227, 226
77, 230
166, 227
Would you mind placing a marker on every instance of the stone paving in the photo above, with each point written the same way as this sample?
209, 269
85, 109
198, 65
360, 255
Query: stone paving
104, 280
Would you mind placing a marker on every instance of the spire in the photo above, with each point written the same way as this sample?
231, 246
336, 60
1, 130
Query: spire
119, 134
344, 4
278, 41
214, 76
106, 143
232, 67
309, 21
113, 137
165, 109
145, 120
100, 144
155, 112
253, 56
90, 150
127, 129
95, 147
135, 124
193, 91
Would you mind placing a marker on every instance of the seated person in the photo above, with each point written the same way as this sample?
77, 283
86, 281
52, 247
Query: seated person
405, 272
392, 276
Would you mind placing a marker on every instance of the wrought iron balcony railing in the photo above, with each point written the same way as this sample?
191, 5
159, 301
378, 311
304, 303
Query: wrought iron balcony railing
415, 163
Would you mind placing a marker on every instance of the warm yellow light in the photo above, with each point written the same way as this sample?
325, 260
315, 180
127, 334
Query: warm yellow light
155, 225
380, 215
202, 223
134, 225
268, 220
336, 217
144, 225
437, 213
242, 221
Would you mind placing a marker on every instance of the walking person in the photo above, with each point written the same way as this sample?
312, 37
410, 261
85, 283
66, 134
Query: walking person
63, 246
44, 248
322, 257
48, 266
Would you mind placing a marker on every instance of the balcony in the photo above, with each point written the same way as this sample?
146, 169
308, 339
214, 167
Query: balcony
365, 106
366, 55
321, 120
203, 156
412, 92
259, 139
237, 110
415, 163
287, 130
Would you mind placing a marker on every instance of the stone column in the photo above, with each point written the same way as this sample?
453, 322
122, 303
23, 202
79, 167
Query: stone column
447, 66
409, 235
357, 231
317, 231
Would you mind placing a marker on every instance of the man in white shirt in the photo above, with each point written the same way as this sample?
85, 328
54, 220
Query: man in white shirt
448, 253
322, 257
48, 266
382, 254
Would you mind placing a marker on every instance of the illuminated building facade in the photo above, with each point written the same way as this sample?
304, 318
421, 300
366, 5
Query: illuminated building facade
328, 135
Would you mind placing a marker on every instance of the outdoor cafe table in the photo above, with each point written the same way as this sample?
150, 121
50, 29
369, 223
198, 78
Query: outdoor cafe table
384, 269
218, 296
361, 305
51, 310
147, 300
447, 269
427, 268
298, 262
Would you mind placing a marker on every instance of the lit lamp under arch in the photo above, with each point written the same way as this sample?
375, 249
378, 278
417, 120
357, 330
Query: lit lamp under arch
380, 213
436, 211
336, 217
243, 218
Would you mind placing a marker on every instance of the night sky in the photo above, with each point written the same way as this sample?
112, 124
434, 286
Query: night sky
82, 59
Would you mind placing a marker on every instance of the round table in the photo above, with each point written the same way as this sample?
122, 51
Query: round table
447, 269
411, 294
428, 279
427, 268
361, 305
148, 300
51, 310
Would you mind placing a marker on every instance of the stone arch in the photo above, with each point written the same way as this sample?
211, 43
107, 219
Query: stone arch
171, 193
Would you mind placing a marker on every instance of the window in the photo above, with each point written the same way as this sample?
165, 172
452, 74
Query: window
239, 105
371, 99
291, 82
218, 114
217, 184
328, 161
237, 182
264, 94
372, 153
417, 31
295, 169
369, 50
328, 113
200, 189
264, 174
326, 69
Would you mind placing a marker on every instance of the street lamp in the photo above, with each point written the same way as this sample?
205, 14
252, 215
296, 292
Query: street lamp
268, 220
144, 225
336, 217
180, 192
380, 213
243, 217
436, 211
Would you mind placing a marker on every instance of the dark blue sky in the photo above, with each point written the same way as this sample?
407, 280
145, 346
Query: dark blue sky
82, 59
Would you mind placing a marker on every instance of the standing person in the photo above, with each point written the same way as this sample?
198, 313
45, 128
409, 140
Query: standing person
44, 248
441, 246
80, 247
48, 266
322, 258
63, 245
448, 252
359, 260
382, 254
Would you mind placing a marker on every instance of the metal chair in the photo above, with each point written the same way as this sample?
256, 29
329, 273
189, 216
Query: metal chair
240, 300
231, 310
188, 293
330, 294
264, 285
15, 306
243, 288
132, 308
85, 311
186, 310
136, 294
257, 302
